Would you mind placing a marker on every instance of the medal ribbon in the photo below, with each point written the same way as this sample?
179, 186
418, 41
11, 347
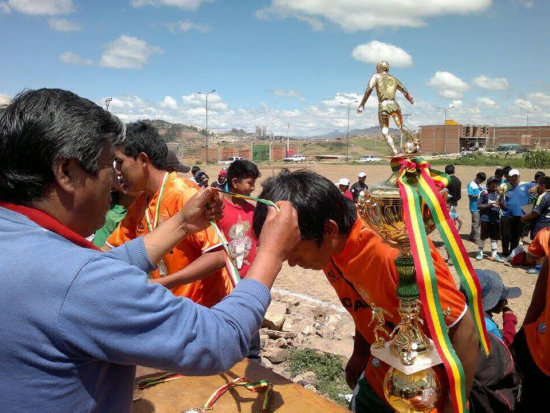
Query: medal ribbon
256, 387
418, 183
157, 210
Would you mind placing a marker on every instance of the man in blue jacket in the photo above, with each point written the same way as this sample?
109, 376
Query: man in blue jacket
74, 320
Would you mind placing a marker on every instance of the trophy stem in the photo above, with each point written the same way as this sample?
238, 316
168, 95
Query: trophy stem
409, 340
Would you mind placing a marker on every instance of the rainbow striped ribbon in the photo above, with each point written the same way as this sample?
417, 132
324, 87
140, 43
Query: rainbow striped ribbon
418, 183
259, 386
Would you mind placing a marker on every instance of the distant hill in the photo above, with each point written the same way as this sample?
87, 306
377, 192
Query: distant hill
372, 131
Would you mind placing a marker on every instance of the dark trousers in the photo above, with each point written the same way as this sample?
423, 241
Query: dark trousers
534, 383
511, 233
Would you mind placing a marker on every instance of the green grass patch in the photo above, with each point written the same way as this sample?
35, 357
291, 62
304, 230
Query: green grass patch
515, 161
330, 376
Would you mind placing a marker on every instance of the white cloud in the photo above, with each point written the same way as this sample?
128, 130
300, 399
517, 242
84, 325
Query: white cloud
185, 26
375, 51
4, 99
486, 102
74, 59
64, 25
448, 85
42, 7
288, 94
527, 3
539, 98
182, 4
523, 104
169, 103
494, 83
4, 8
354, 15
455, 104
128, 52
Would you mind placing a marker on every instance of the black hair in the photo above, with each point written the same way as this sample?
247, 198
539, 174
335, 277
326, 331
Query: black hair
195, 169
499, 173
492, 180
143, 137
42, 127
316, 199
242, 169
450, 169
545, 181
506, 170
481, 176
539, 175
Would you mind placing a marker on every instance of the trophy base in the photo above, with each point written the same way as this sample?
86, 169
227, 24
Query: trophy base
422, 361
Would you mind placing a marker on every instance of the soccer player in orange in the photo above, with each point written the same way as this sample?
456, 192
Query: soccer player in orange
362, 271
141, 163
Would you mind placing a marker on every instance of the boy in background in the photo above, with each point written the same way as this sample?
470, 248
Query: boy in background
236, 223
490, 203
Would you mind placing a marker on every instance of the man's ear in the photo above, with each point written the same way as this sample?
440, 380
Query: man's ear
66, 174
143, 158
331, 229
234, 181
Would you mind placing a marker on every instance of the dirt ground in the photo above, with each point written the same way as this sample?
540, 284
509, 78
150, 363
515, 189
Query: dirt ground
313, 283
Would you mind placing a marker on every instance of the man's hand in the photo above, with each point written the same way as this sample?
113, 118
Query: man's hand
279, 235
202, 208
280, 232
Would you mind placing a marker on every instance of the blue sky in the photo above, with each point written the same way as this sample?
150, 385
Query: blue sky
280, 62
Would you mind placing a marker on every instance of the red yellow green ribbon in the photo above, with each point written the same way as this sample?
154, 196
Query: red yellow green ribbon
416, 184
153, 381
259, 386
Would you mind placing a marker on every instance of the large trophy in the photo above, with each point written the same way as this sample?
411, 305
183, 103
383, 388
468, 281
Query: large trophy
403, 210
411, 385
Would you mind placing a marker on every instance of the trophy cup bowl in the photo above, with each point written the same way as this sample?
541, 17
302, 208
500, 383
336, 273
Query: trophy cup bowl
410, 393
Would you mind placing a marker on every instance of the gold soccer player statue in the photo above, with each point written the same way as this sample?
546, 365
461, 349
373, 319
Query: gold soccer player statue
386, 85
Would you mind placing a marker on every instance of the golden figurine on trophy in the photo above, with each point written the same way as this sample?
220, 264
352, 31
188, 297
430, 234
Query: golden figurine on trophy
386, 85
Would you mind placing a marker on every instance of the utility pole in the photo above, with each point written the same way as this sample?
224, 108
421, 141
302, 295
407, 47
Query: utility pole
347, 134
107, 102
206, 122
287, 138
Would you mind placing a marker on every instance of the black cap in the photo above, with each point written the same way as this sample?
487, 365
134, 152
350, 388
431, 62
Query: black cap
173, 163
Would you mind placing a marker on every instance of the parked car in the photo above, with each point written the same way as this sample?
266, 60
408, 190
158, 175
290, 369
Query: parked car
230, 160
465, 153
295, 158
370, 158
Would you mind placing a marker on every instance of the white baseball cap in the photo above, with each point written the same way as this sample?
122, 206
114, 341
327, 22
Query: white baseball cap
362, 175
343, 181
513, 172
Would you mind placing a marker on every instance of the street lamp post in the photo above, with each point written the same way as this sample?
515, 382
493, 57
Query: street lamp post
206, 121
347, 134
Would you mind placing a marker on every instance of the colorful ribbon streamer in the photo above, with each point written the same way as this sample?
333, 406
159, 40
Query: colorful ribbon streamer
418, 183
153, 381
259, 386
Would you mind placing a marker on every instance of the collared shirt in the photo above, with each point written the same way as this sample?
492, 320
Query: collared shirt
177, 192
364, 275
516, 197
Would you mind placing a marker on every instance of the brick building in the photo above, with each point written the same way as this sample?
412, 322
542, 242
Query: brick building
453, 138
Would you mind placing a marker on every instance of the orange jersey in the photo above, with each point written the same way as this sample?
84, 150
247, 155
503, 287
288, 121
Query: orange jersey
177, 192
365, 275
537, 334
539, 247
